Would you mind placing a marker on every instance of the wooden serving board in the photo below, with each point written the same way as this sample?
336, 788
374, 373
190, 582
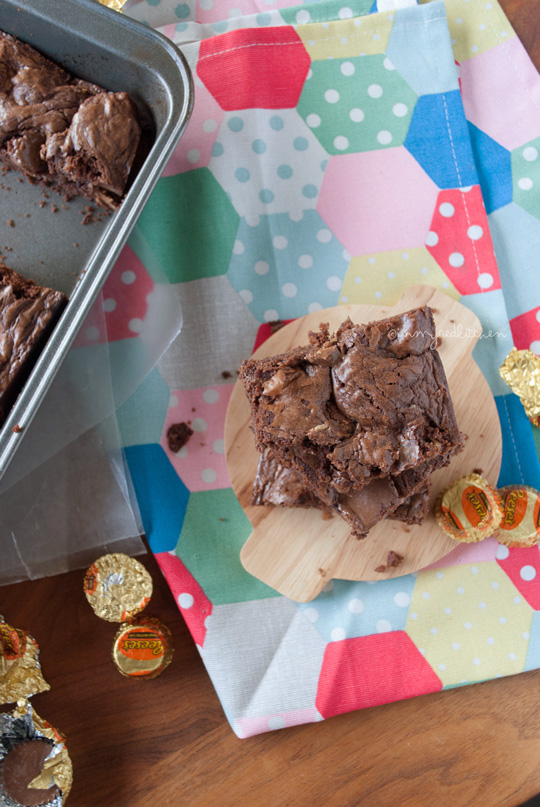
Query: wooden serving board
297, 551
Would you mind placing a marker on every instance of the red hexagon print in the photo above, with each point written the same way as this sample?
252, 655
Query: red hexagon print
522, 565
370, 670
276, 56
191, 599
460, 241
526, 330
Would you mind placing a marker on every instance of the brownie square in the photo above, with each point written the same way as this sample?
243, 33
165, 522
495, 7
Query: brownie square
368, 403
404, 497
28, 313
61, 131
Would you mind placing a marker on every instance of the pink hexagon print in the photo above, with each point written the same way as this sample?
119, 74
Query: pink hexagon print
502, 72
200, 464
377, 201
125, 303
227, 64
195, 148
370, 670
460, 241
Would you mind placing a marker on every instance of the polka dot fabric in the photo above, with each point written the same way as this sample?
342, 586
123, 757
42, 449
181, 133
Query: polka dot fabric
200, 464
333, 156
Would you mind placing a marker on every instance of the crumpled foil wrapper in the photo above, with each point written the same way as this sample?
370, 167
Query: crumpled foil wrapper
117, 5
117, 587
24, 725
521, 371
20, 671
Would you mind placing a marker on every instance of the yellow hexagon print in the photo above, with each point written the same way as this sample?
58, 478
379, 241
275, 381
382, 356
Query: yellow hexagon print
476, 26
470, 623
342, 39
383, 277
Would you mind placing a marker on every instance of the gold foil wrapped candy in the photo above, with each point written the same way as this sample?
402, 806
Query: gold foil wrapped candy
521, 371
20, 671
35, 768
142, 648
117, 587
469, 509
117, 5
520, 525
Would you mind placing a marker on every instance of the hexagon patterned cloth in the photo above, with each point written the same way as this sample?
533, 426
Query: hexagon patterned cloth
337, 152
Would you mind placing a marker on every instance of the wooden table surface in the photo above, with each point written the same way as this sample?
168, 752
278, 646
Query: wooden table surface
166, 742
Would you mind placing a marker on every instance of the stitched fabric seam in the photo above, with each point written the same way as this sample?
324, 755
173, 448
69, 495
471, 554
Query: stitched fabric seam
522, 479
464, 197
359, 35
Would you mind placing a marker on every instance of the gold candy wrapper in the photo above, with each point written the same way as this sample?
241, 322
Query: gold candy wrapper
35, 768
521, 371
20, 671
142, 648
116, 5
117, 587
520, 525
469, 509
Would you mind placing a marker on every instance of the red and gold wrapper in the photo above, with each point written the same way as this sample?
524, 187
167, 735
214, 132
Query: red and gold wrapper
469, 509
520, 524
20, 671
117, 587
142, 648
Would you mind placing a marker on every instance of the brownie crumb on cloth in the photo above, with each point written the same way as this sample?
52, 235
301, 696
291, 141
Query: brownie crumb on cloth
178, 435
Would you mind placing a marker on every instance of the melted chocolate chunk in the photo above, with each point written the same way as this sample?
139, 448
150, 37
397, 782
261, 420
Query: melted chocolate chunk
20, 766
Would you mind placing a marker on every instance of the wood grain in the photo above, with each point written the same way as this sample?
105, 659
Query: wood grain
167, 742
297, 551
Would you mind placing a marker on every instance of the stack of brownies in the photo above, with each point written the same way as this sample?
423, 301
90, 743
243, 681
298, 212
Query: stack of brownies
355, 422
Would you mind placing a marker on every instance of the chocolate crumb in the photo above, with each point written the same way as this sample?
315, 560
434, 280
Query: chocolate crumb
42, 203
438, 342
17, 429
11, 223
178, 435
327, 515
276, 324
321, 572
27, 215
393, 559
75, 244
223, 519
226, 374
54, 209
478, 471
381, 568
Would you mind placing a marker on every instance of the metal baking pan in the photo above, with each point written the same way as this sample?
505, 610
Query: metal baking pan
54, 248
